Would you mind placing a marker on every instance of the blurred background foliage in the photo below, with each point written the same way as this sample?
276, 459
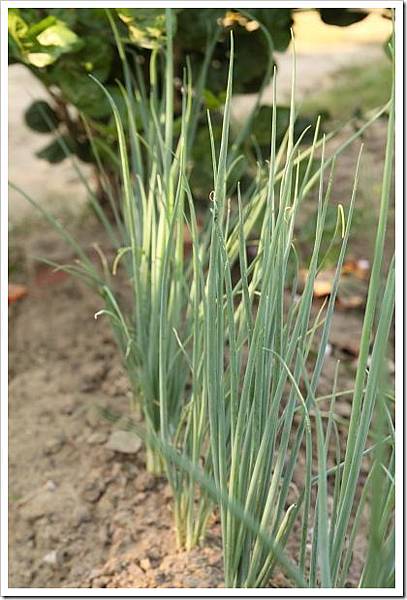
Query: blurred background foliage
63, 46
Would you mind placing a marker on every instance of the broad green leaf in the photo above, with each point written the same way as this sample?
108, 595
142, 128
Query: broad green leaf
78, 89
56, 151
146, 26
61, 36
41, 117
41, 59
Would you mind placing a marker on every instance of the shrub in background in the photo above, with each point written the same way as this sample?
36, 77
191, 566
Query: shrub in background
62, 46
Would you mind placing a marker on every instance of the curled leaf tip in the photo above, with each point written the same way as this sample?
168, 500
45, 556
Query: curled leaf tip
341, 215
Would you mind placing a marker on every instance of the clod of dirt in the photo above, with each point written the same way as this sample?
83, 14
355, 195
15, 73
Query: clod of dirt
100, 582
97, 438
116, 383
92, 417
167, 492
94, 490
104, 536
92, 376
81, 515
145, 564
54, 445
145, 481
125, 442
39, 505
69, 408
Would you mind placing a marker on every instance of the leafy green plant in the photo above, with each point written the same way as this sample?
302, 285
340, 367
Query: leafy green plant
222, 365
63, 46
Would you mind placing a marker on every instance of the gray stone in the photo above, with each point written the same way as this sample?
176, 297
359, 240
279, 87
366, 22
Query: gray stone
126, 442
81, 515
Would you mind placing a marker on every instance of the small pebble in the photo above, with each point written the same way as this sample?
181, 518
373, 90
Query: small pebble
140, 497
92, 417
81, 515
54, 445
100, 582
145, 564
145, 482
104, 535
93, 491
95, 573
68, 408
51, 558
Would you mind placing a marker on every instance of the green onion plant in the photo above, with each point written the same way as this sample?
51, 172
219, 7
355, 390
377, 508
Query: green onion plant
261, 382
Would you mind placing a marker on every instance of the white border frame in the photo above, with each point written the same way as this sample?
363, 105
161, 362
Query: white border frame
398, 591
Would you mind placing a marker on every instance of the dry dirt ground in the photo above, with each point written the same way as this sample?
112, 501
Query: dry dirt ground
82, 514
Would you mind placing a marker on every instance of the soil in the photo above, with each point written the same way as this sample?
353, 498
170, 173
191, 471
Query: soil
81, 514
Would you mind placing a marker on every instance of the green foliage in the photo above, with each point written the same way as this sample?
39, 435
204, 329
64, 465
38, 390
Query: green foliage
40, 43
41, 117
63, 46
146, 26
56, 151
